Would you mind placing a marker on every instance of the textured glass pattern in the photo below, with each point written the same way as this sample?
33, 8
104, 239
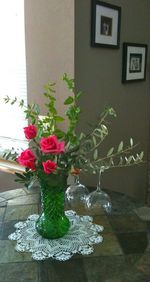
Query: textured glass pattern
52, 223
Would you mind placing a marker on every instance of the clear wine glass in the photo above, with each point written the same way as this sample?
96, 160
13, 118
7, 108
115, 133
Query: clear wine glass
98, 198
76, 193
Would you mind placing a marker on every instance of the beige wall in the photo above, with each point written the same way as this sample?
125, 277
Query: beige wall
49, 46
98, 74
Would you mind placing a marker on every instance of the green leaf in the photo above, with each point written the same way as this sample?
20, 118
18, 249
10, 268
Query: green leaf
95, 155
20, 175
131, 142
98, 133
121, 161
111, 163
137, 157
82, 135
104, 129
94, 140
91, 166
78, 95
69, 82
141, 155
77, 110
98, 130
129, 159
14, 101
120, 147
21, 104
110, 152
59, 133
51, 108
6, 99
36, 109
59, 119
69, 101
49, 96
88, 144
112, 112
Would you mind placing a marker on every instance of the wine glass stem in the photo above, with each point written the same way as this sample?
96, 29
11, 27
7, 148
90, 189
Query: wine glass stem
77, 179
99, 182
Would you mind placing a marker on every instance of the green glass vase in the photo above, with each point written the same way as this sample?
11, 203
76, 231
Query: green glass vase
52, 223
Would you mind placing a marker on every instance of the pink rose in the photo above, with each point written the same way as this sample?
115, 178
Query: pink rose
27, 158
52, 145
30, 131
49, 166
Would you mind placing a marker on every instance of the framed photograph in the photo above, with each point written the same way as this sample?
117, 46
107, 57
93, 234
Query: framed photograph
105, 24
134, 62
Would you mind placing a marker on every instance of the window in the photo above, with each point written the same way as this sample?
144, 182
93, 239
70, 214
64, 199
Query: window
12, 68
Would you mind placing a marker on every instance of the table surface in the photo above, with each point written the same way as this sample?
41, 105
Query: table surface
124, 254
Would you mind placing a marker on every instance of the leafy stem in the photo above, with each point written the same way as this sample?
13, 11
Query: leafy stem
126, 150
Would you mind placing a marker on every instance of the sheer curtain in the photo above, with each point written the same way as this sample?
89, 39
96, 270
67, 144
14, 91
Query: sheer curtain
12, 67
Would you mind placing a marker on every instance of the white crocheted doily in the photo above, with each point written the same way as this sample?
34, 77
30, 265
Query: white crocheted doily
79, 240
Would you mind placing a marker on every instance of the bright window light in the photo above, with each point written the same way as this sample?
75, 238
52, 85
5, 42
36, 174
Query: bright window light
12, 67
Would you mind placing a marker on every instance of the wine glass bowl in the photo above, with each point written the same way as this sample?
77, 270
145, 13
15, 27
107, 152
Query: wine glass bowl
76, 193
98, 199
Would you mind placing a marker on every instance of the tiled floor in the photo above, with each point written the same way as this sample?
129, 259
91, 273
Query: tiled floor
123, 256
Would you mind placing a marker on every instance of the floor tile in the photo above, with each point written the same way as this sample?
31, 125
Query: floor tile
16, 272
143, 264
68, 271
148, 226
143, 213
9, 254
132, 259
103, 269
122, 204
148, 245
8, 228
1, 230
127, 223
33, 190
24, 200
20, 212
108, 269
3, 204
2, 211
12, 194
134, 242
2, 199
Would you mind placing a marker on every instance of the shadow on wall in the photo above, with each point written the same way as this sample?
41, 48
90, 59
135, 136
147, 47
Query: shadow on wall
7, 182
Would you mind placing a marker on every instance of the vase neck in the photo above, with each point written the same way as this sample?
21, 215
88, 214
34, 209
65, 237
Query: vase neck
52, 203
52, 196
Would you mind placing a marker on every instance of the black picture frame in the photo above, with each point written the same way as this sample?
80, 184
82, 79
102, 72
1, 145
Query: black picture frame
105, 24
134, 62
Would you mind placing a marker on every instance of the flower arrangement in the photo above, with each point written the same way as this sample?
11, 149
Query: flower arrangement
54, 151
